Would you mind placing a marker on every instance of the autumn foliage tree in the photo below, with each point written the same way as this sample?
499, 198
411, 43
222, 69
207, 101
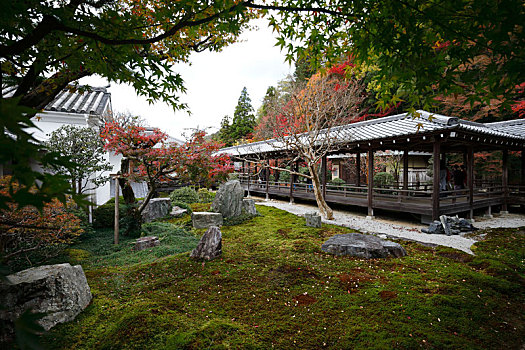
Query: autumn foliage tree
306, 125
154, 160
30, 236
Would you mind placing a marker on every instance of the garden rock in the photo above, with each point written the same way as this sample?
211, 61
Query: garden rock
210, 245
313, 219
178, 212
60, 291
229, 199
146, 242
449, 225
362, 246
249, 207
202, 219
156, 208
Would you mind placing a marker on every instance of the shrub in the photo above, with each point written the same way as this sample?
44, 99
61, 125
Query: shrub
338, 182
184, 194
383, 179
183, 206
29, 236
85, 225
162, 229
205, 196
233, 176
104, 215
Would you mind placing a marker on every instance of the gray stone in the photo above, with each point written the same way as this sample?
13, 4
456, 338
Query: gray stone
146, 242
178, 212
248, 206
395, 249
362, 246
313, 219
229, 199
449, 225
210, 245
202, 219
60, 291
156, 208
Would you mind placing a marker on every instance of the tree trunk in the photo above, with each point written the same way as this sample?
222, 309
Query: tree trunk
127, 191
324, 209
146, 200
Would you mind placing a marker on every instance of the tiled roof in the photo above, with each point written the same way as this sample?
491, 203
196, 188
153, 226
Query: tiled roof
514, 127
93, 100
401, 125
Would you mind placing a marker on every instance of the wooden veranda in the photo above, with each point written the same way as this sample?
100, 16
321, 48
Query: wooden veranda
440, 135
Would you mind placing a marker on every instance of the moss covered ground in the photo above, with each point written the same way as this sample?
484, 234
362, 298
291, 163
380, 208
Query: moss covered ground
274, 288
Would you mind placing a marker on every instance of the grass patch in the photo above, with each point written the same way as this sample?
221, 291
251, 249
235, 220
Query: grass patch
274, 287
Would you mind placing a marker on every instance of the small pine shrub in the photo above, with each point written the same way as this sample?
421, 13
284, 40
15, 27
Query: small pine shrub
184, 194
383, 179
104, 215
337, 182
237, 220
162, 229
205, 196
233, 176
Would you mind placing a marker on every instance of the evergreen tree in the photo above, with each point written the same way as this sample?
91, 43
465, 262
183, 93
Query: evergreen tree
223, 135
243, 122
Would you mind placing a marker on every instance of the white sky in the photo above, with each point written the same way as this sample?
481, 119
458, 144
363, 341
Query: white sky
214, 81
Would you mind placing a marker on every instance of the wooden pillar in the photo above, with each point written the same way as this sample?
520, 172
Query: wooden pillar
248, 188
470, 180
405, 170
435, 179
267, 179
117, 213
358, 168
370, 194
292, 168
323, 175
505, 179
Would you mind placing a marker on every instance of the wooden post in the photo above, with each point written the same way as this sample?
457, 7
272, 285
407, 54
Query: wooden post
370, 194
358, 168
292, 168
117, 218
267, 179
323, 175
435, 179
248, 188
405, 171
505, 179
470, 180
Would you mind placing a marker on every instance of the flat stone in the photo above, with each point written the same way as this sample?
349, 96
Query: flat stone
362, 246
146, 242
157, 208
210, 245
228, 200
60, 291
202, 219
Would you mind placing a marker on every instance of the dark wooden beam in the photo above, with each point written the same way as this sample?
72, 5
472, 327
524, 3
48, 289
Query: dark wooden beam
358, 168
505, 179
435, 179
292, 168
267, 179
370, 195
470, 179
405, 170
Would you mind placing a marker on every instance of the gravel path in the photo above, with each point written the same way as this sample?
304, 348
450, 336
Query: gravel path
400, 229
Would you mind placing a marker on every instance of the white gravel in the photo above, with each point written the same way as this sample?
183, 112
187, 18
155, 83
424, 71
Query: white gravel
398, 228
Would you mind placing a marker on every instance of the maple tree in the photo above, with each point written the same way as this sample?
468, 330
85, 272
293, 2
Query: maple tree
154, 160
305, 125
30, 235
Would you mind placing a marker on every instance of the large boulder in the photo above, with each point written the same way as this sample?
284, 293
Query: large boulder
362, 246
156, 208
210, 245
202, 219
60, 291
228, 200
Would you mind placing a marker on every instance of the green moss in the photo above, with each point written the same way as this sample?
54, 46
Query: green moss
274, 287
